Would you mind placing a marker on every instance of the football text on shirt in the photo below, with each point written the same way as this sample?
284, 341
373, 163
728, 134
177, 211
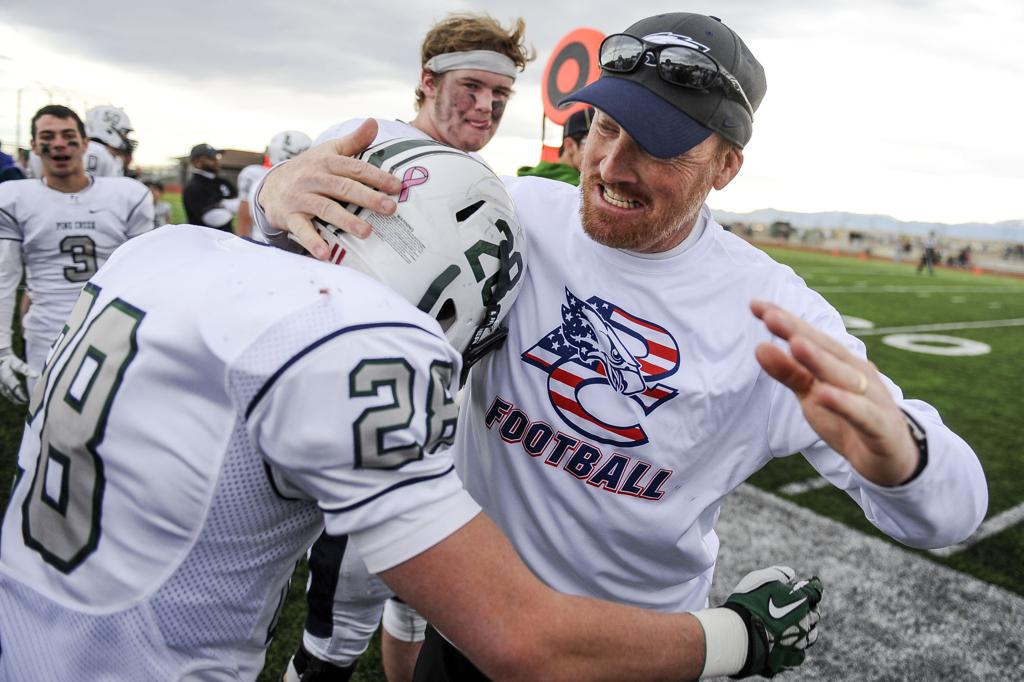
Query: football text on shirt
616, 473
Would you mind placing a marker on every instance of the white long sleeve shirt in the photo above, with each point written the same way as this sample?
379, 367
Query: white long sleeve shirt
627, 403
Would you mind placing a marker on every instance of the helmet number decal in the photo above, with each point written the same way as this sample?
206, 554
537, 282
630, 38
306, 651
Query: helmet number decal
510, 265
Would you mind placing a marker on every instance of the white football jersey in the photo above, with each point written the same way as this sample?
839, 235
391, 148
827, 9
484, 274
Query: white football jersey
66, 237
627, 403
35, 165
100, 161
190, 443
248, 178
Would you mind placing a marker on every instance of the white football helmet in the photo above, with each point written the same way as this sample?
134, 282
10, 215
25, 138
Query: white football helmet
287, 144
454, 248
111, 126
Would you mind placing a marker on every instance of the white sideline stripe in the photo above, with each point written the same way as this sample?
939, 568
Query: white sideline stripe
891, 289
888, 613
801, 487
939, 327
996, 524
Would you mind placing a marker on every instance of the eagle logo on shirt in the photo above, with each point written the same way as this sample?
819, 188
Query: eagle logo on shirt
604, 366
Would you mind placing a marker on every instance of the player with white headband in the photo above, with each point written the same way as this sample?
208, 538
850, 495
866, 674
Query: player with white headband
469, 63
481, 60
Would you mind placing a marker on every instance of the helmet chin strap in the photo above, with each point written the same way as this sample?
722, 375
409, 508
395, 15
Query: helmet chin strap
483, 343
488, 338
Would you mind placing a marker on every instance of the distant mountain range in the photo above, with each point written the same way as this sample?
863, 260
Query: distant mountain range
1008, 231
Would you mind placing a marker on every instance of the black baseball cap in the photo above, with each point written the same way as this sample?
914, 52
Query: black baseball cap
667, 120
578, 124
201, 150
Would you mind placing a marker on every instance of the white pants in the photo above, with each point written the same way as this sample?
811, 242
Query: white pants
346, 603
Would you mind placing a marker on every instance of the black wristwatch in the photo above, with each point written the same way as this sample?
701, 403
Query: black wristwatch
921, 441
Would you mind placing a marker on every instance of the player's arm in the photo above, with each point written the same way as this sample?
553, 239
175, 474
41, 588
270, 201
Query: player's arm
475, 590
312, 185
916, 480
247, 185
140, 218
12, 368
10, 278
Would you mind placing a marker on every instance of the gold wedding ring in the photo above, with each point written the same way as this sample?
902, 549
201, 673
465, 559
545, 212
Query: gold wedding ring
862, 384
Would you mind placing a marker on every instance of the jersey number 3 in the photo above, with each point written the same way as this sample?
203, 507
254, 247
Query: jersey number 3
62, 511
82, 250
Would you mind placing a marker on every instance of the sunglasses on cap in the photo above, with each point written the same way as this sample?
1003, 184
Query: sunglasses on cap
679, 65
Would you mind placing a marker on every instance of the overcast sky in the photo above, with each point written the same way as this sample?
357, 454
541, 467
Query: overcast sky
910, 108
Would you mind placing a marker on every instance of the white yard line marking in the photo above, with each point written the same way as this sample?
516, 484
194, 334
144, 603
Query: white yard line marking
801, 487
893, 289
996, 524
940, 327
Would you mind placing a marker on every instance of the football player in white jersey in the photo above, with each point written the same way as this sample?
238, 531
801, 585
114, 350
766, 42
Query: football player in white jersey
285, 145
469, 66
35, 165
110, 145
61, 228
636, 389
187, 444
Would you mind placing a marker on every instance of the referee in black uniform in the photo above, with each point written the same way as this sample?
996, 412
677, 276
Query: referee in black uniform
209, 199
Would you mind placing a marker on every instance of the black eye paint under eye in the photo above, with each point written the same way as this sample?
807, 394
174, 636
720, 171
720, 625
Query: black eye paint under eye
44, 149
497, 109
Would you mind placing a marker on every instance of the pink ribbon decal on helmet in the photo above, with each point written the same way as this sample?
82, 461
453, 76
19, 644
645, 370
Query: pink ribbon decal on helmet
416, 175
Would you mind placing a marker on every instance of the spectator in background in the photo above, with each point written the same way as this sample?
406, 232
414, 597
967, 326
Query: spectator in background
8, 168
209, 199
161, 208
963, 258
283, 146
570, 154
930, 256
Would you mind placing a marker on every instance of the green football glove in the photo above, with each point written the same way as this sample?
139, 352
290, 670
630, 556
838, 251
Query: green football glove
781, 615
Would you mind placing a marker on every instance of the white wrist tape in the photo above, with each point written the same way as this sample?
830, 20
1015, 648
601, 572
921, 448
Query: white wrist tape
481, 60
725, 642
403, 622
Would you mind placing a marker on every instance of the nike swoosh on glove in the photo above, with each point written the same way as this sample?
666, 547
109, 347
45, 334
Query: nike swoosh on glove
781, 614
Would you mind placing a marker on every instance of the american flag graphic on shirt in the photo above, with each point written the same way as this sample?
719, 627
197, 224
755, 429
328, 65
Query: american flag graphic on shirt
601, 345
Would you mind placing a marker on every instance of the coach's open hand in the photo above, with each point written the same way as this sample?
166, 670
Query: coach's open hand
841, 396
312, 184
